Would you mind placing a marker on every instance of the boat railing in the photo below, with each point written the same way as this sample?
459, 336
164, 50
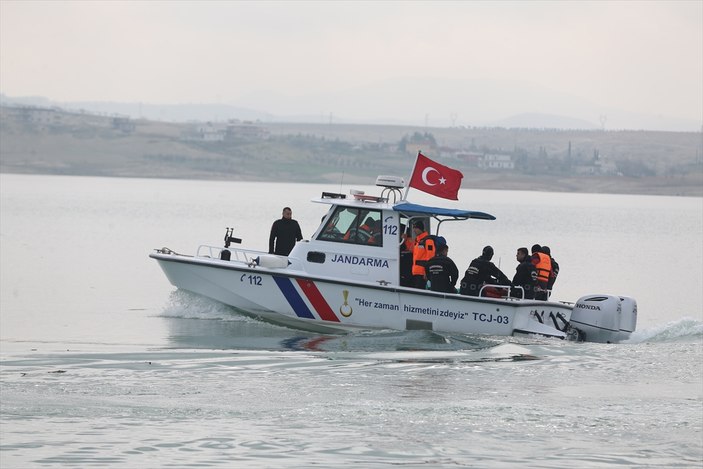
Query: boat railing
236, 254
522, 292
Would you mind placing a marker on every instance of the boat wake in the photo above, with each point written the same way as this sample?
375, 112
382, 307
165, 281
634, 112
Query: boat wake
185, 305
683, 330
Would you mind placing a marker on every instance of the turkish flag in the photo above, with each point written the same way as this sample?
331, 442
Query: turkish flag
436, 179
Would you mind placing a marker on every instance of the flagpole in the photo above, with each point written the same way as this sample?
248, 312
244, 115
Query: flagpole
407, 189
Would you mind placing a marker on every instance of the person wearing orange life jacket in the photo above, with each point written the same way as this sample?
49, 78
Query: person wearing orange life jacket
363, 234
376, 232
423, 250
407, 243
543, 265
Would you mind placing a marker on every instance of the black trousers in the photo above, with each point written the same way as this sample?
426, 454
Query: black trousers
419, 281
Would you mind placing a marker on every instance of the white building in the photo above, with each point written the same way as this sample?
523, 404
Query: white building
496, 161
205, 133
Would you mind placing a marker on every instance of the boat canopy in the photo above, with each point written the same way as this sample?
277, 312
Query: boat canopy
409, 208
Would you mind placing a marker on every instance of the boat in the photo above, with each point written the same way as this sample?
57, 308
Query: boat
337, 281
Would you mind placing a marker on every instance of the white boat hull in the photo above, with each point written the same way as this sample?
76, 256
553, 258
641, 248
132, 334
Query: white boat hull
297, 299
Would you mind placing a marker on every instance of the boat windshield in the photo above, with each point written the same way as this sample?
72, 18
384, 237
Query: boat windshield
354, 226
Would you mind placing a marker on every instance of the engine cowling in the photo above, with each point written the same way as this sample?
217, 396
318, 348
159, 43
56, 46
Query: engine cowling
604, 318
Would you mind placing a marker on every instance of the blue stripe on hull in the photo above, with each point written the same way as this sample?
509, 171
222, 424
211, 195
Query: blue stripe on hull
293, 297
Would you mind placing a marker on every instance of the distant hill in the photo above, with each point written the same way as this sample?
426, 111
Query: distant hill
47, 140
167, 112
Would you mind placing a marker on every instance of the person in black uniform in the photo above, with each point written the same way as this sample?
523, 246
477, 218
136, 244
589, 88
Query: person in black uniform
284, 233
442, 272
525, 276
406, 258
482, 271
555, 269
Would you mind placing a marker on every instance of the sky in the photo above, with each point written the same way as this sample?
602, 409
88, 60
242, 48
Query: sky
468, 62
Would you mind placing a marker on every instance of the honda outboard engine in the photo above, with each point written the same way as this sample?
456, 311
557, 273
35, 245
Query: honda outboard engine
603, 318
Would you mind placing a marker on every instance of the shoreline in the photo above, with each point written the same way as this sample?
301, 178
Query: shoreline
655, 186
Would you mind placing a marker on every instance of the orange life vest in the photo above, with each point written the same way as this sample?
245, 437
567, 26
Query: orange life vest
543, 265
362, 234
408, 244
424, 250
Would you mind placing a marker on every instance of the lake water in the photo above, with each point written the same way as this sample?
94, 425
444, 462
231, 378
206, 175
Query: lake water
104, 364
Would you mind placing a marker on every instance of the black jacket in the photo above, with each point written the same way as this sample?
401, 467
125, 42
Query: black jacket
442, 273
525, 277
284, 233
554, 274
481, 271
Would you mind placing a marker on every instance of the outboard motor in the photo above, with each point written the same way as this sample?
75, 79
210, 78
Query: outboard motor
628, 320
603, 318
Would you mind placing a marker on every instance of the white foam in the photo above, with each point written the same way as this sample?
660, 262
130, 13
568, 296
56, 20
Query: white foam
682, 329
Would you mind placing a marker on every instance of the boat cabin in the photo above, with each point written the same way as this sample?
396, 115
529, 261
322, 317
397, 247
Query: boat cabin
360, 237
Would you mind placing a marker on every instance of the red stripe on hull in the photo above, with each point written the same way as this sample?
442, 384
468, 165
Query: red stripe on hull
317, 300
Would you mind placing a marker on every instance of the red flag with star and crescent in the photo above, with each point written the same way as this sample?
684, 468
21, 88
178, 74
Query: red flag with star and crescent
436, 179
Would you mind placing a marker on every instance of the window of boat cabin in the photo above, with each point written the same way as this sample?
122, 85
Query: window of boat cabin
406, 225
354, 226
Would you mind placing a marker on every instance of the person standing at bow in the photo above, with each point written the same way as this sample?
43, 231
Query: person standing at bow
284, 233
